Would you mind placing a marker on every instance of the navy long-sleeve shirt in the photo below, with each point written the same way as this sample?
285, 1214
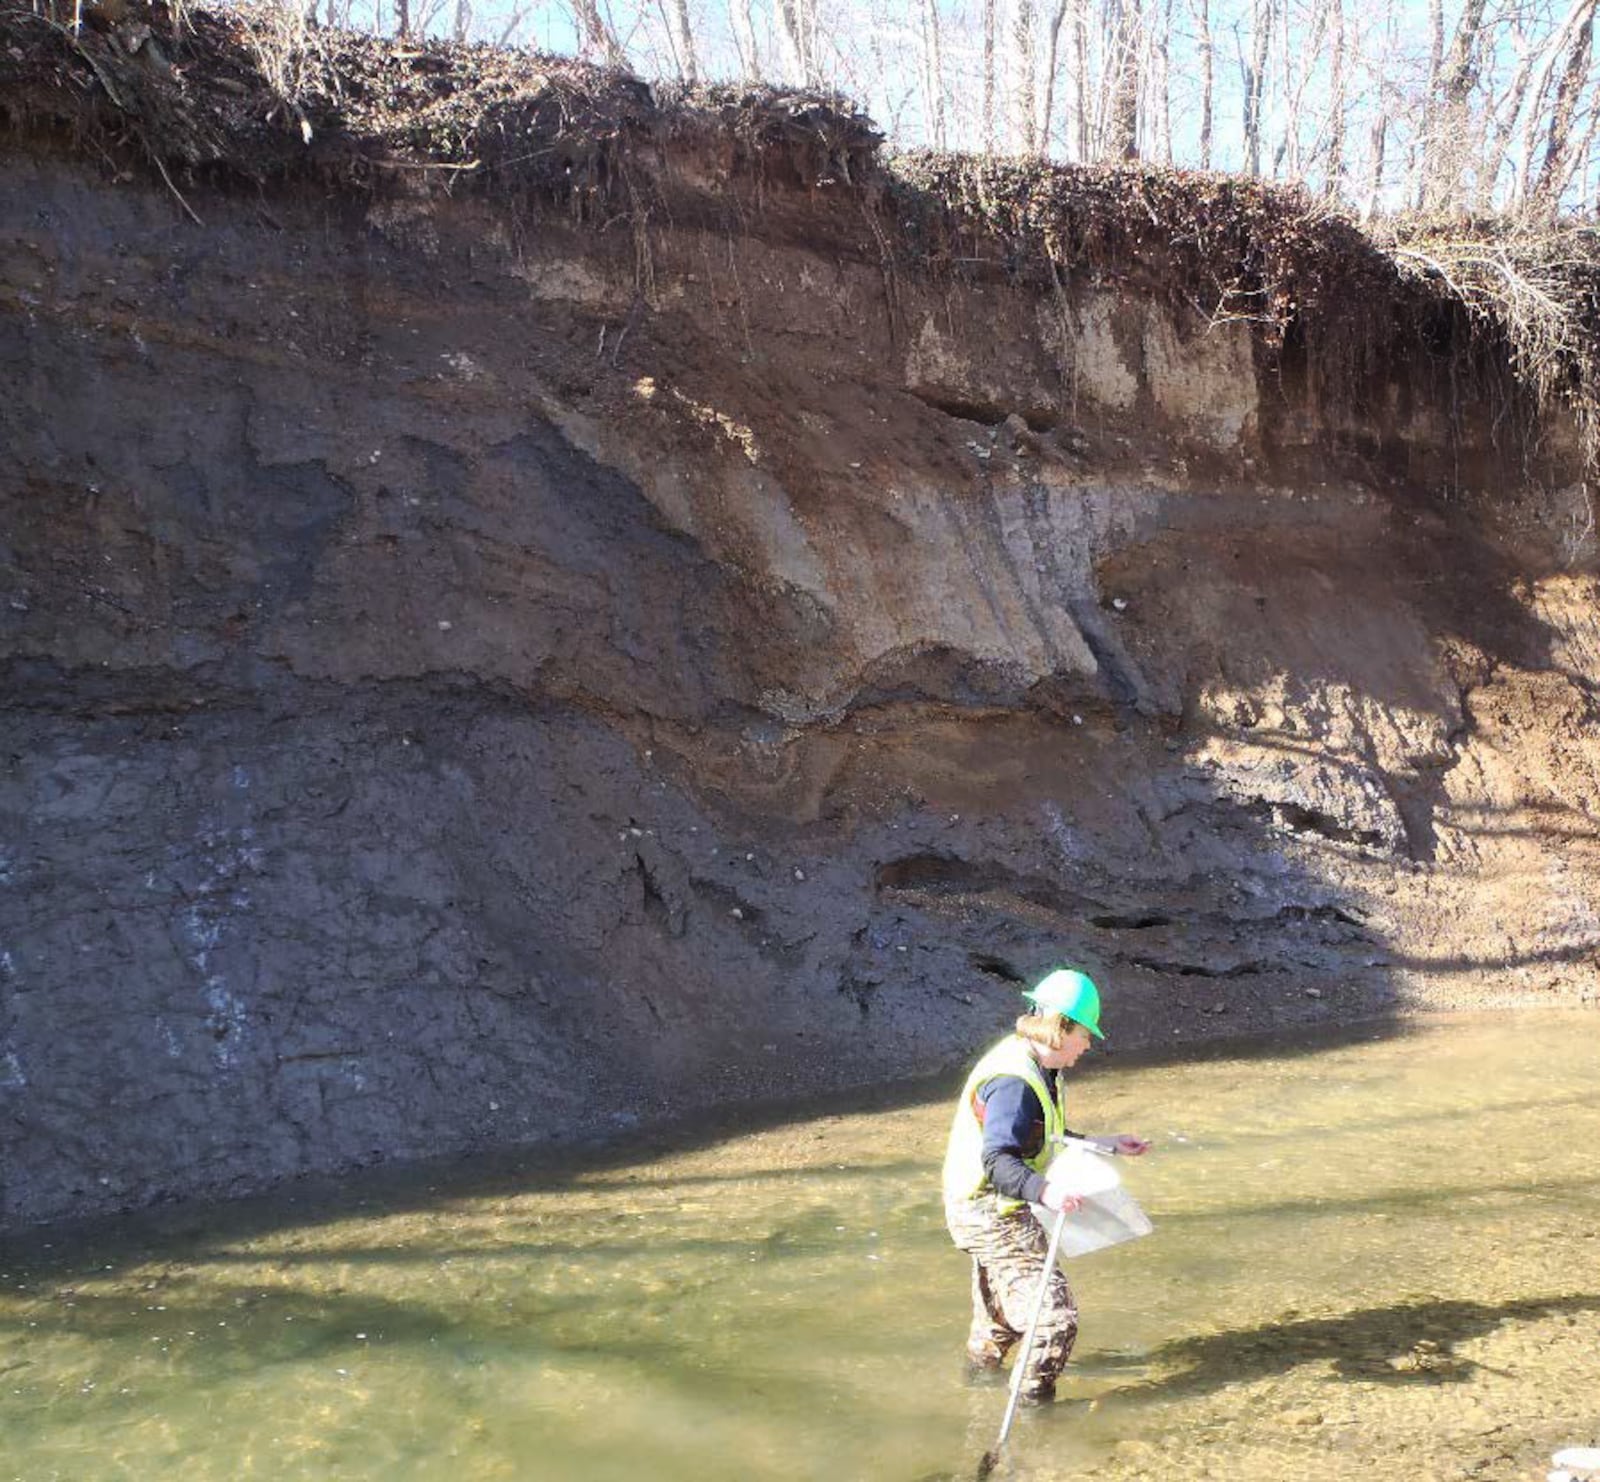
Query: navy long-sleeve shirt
1013, 1129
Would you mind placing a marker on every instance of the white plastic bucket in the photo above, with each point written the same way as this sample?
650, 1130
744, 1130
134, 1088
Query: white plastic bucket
1108, 1215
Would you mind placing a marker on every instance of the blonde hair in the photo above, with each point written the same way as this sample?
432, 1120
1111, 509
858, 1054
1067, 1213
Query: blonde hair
1049, 1030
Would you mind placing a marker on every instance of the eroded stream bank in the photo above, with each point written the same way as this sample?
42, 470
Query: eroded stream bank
546, 563
1374, 1259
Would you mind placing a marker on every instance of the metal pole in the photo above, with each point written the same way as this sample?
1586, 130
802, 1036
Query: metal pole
992, 1456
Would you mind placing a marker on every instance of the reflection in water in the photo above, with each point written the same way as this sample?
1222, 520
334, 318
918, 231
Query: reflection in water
1371, 1261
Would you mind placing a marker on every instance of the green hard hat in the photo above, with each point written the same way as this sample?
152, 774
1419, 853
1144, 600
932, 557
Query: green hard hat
1071, 994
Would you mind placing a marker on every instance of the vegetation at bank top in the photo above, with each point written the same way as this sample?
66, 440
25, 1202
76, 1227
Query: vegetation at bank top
1379, 104
240, 95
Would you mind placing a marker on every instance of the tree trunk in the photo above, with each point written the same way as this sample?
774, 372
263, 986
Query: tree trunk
1416, 169
988, 76
682, 37
1252, 76
1025, 67
1162, 83
796, 26
1380, 121
1122, 134
1295, 78
1057, 16
1578, 18
1444, 146
1583, 159
1558, 140
596, 36
1080, 59
932, 72
1497, 144
1333, 178
744, 40
1380, 138
1202, 23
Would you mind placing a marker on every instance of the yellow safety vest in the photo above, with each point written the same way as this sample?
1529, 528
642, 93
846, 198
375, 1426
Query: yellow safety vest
964, 1177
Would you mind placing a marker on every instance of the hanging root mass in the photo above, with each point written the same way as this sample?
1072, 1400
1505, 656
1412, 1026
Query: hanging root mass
1535, 284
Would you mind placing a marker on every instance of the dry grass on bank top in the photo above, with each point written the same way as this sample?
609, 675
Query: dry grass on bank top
253, 95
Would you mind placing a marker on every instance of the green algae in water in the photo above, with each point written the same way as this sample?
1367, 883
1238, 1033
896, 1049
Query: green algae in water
1372, 1260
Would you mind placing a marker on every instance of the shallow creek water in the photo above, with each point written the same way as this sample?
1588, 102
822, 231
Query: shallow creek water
1372, 1260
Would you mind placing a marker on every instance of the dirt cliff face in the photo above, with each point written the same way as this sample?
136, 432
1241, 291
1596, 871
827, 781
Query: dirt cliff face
472, 670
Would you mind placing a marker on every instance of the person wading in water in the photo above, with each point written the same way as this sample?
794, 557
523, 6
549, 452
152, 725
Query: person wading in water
1008, 1124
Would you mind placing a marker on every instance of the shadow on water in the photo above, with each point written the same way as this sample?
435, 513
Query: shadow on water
788, 1243
778, 1245
216, 1335
205, 1231
192, 1230
1410, 1343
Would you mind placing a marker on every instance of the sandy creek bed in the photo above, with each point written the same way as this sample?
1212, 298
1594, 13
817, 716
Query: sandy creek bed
1372, 1260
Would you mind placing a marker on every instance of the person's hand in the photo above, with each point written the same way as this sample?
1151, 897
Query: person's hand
1126, 1145
1058, 1199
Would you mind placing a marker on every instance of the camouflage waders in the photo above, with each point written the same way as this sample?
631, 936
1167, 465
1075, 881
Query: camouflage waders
1008, 1254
